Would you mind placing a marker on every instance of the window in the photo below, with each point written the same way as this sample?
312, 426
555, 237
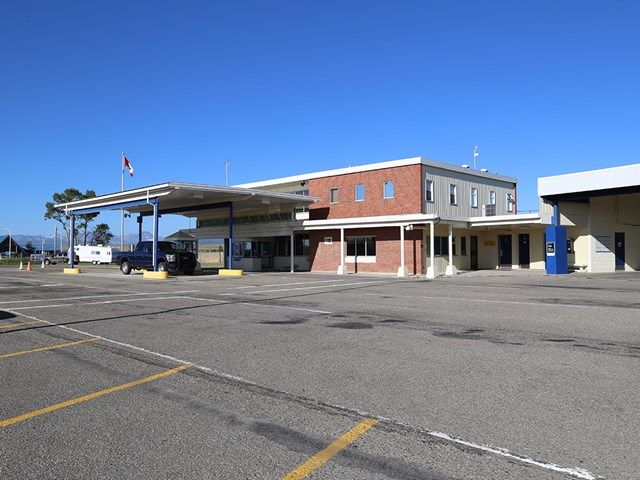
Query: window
428, 190
441, 245
361, 246
474, 197
570, 242
359, 192
510, 202
388, 189
453, 194
333, 195
492, 198
463, 246
301, 245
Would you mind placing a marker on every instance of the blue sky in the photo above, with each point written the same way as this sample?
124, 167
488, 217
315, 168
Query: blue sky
286, 87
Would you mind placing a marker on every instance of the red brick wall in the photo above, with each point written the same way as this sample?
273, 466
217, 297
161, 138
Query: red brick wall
407, 193
326, 258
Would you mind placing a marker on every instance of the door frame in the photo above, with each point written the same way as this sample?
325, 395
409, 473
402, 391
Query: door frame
510, 243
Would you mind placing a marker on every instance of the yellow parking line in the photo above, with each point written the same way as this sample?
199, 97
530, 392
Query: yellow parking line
320, 458
68, 403
50, 347
19, 324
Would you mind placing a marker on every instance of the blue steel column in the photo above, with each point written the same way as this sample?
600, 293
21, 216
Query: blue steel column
155, 236
230, 251
72, 243
139, 228
555, 221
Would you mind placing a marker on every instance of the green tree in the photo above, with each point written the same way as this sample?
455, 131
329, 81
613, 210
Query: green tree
82, 221
29, 248
101, 235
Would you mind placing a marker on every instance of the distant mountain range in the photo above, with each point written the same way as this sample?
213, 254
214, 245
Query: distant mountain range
129, 239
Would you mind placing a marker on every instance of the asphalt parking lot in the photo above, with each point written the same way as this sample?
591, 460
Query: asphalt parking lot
318, 376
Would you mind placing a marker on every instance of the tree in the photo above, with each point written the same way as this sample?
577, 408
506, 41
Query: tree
29, 248
82, 221
101, 234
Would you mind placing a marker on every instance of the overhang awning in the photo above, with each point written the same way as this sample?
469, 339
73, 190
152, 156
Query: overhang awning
189, 199
580, 186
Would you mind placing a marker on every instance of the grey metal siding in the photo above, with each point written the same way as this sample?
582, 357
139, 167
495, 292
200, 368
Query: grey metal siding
443, 178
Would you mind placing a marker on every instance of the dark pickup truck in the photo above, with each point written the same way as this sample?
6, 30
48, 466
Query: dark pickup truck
169, 258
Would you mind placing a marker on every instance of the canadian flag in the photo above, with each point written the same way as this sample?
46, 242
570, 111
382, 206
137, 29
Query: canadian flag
127, 164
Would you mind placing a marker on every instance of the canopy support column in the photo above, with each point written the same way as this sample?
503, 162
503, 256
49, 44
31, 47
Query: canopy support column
431, 270
72, 242
139, 220
449, 270
155, 237
292, 253
342, 269
403, 271
230, 249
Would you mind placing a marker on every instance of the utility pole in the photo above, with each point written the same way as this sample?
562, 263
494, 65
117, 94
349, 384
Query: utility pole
122, 210
226, 172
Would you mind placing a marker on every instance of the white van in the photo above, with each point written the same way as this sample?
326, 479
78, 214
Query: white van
95, 254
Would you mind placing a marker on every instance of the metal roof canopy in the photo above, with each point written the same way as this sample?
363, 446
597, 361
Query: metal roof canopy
578, 187
186, 199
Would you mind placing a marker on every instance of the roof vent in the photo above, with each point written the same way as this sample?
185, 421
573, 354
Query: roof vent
484, 170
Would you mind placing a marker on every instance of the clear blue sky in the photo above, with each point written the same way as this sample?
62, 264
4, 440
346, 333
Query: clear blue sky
287, 87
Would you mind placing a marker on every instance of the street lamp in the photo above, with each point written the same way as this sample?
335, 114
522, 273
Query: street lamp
8, 230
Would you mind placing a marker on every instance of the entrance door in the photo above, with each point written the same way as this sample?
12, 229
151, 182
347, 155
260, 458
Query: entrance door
473, 253
504, 247
266, 255
523, 250
619, 250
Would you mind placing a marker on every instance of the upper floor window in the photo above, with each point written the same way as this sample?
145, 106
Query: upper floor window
333, 195
359, 192
510, 202
453, 194
388, 189
428, 190
474, 197
492, 197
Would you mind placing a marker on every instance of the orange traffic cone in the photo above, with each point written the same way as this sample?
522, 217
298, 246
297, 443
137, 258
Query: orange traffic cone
29, 269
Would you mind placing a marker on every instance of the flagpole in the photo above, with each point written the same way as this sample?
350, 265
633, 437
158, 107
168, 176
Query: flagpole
122, 210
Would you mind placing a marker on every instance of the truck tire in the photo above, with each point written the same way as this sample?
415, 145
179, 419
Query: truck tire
162, 266
125, 268
189, 271
47, 261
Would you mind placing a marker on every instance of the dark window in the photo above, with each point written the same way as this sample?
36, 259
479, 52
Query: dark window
301, 245
428, 190
453, 194
441, 245
333, 195
361, 246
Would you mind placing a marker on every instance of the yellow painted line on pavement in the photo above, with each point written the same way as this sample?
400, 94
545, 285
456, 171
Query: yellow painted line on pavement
19, 324
74, 401
323, 456
50, 347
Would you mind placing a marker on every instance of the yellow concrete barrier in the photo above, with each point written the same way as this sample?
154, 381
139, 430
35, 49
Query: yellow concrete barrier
71, 271
155, 275
230, 272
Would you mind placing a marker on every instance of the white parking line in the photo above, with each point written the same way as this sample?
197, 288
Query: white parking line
121, 300
95, 296
307, 288
256, 304
498, 451
281, 284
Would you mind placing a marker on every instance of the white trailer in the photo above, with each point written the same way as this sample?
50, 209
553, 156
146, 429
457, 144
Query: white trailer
95, 254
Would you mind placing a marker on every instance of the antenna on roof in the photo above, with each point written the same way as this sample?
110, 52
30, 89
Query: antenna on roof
227, 162
476, 154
